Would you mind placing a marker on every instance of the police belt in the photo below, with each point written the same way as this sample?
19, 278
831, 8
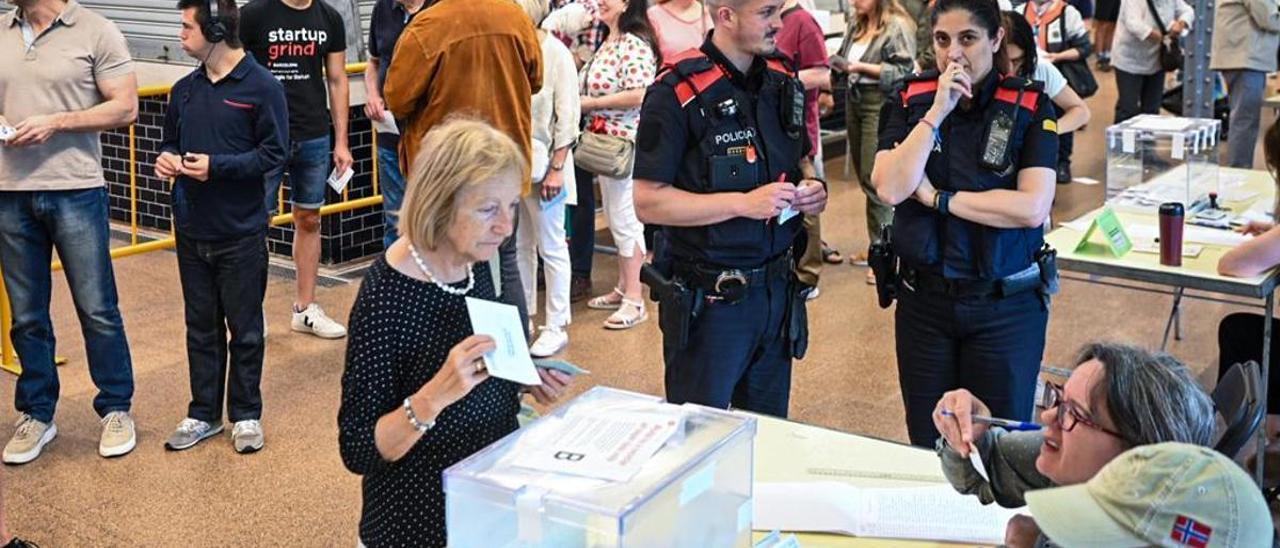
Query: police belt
715, 280
1022, 281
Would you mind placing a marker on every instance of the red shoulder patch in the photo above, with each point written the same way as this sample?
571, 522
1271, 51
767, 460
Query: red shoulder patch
690, 87
918, 87
779, 66
1029, 97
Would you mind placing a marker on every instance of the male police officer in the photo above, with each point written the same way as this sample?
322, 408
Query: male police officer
721, 163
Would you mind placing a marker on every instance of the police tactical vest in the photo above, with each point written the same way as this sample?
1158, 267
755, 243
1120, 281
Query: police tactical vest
949, 245
742, 142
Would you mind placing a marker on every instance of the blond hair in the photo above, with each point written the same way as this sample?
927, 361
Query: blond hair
459, 153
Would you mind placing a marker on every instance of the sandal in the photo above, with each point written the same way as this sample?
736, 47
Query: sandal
607, 301
858, 260
629, 314
831, 255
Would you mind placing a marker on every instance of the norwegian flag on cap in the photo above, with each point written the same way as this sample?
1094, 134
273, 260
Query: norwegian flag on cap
1189, 532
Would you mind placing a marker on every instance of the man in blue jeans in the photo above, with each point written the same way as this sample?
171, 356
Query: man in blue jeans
389, 19
303, 44
66, 75
225, 128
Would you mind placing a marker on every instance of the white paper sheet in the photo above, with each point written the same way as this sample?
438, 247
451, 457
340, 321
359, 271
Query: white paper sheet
339, 182
387, 125
510, 360
608, 445
923, 513
1162, 123
975, 459
1190, 233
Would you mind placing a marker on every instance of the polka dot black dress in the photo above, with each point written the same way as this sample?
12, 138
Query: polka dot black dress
401, 332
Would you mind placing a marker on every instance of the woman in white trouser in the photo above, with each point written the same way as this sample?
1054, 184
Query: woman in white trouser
613, 86
556, 113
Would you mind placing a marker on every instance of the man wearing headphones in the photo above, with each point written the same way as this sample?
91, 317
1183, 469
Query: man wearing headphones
65, 76
226, 126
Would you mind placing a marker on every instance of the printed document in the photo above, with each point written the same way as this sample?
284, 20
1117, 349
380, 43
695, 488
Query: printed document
935, 513
610, 445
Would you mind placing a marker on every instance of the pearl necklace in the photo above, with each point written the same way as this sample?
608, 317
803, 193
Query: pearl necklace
471, 275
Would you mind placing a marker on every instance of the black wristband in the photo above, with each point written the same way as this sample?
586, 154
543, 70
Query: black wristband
944, 202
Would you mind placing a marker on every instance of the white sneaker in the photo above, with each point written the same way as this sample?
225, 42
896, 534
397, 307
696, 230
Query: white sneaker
812, 293
246, 436
313, 320
118, 435
550, 341
28, 440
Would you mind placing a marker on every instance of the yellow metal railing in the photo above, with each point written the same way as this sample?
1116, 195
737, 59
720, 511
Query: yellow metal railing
8, 356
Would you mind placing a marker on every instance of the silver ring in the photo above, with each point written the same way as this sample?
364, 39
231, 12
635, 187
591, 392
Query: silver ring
479, 366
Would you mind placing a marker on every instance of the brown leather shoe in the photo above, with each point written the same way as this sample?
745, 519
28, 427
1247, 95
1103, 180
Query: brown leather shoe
579, 289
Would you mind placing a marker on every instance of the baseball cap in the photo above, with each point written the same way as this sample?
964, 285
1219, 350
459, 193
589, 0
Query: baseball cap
1167, 494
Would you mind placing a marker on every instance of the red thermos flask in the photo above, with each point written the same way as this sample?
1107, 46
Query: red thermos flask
1171, 216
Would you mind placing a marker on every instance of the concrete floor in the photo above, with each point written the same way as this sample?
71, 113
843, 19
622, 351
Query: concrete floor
296, 491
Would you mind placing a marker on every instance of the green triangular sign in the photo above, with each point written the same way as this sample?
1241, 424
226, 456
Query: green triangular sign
1116, 240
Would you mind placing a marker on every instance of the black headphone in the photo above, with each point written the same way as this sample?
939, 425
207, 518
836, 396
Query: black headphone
214, 28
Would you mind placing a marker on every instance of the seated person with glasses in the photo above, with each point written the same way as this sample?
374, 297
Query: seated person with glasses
1118, 397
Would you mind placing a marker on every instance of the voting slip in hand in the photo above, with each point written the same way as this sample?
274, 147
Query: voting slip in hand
510, 360
339, 181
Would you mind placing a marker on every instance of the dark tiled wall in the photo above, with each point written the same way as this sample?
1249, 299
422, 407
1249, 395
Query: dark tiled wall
346, 237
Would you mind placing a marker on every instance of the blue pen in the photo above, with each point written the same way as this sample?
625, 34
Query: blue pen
1003, 423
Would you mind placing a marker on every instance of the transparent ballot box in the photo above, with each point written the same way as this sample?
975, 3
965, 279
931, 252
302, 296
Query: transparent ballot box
536, 488
1155, 159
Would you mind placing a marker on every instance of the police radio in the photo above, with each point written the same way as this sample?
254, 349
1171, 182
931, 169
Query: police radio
995, 155
793, 108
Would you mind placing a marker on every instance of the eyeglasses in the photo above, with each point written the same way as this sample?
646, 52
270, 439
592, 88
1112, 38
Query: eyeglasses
1069, 413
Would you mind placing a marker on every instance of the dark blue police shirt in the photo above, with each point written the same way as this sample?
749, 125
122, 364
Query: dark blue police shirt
674, 144
953, 247
387, 23
242, 123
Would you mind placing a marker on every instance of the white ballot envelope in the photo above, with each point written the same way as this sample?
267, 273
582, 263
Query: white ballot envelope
511, 359
6, 131
387, 125
339, 182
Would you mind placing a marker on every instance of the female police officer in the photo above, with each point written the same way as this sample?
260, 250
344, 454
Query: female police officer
968, 155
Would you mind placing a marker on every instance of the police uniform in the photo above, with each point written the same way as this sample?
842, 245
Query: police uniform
972, 299
707, 128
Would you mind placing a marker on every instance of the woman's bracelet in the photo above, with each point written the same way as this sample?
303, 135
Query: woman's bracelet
418, 425
937, 135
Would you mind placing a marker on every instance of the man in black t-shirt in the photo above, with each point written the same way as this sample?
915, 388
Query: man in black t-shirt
302, 43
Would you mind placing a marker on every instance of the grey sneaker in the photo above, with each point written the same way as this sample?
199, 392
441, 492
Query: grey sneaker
313, 320
247, 436
118, 435
28, 440
191, 432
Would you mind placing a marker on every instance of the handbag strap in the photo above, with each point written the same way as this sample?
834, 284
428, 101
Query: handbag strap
1159, 22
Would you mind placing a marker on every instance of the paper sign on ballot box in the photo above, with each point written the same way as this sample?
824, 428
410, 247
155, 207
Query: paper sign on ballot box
611, 445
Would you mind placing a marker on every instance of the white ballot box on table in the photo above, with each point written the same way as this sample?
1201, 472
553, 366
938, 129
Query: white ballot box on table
609, 468
1156, 159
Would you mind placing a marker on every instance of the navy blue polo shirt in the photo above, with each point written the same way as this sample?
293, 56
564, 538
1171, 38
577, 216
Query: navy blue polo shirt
242, 123
385, 27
